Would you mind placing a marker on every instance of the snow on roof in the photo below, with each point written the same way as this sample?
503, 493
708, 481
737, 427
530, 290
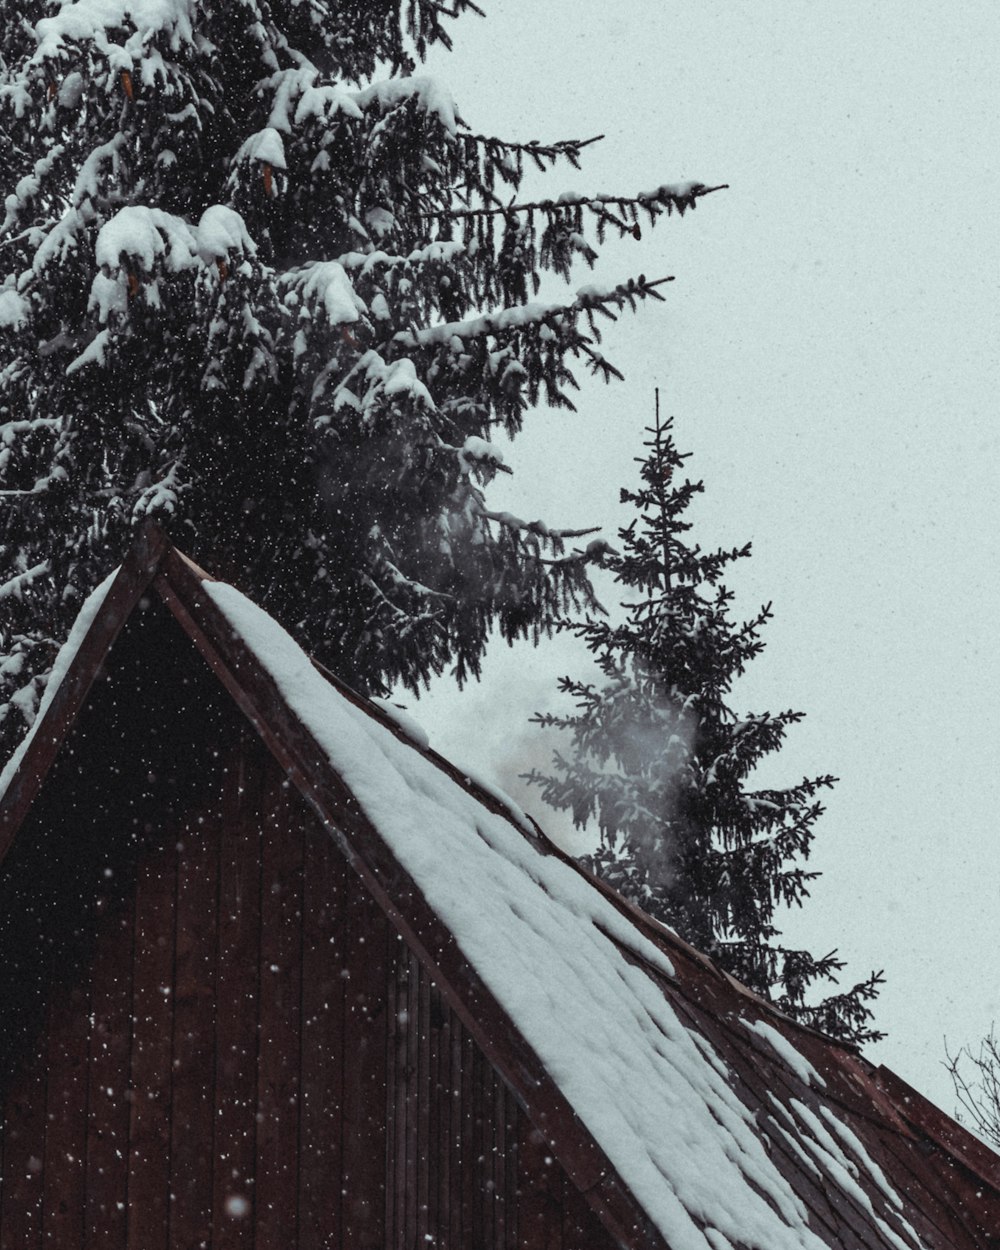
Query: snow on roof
555, 952
798, 1063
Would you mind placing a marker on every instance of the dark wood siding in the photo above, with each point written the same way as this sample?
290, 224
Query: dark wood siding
222, 1042
454, 1162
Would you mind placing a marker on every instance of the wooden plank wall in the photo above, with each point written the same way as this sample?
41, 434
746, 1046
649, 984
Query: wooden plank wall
251, 1059
453, 1127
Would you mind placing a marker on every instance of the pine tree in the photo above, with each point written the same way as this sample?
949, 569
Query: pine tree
665, 767
260, 281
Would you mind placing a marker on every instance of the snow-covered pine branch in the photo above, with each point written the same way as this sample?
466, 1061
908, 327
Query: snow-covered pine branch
234, 295
622, 211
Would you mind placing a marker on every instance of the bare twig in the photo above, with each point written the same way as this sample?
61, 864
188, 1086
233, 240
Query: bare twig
976, 1079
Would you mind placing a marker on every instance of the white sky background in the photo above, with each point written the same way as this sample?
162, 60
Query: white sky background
830, 353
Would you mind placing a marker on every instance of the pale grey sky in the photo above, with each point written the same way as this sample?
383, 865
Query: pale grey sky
830, 353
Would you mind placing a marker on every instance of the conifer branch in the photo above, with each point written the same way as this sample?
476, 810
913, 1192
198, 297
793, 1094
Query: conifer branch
17, 585
663, 199
308, 402
568, 148
466, 6
539, 528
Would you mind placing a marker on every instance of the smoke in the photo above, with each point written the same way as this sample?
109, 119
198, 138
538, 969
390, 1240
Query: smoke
487, 729
534, 751
645, 754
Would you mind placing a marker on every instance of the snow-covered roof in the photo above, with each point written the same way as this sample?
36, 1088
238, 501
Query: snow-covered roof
701, 1117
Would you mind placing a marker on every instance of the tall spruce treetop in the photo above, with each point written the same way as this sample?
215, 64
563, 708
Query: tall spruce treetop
257, 278
665, 767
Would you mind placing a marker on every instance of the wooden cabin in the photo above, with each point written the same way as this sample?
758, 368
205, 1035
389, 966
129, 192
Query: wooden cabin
273, 976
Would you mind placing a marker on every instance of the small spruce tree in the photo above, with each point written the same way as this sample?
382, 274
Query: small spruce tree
260, 281
665, 767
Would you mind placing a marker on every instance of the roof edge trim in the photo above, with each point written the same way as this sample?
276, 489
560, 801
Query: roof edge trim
940, 1128
54, 723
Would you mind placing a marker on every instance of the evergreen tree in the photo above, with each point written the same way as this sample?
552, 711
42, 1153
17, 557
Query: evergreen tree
665, 767
259, 280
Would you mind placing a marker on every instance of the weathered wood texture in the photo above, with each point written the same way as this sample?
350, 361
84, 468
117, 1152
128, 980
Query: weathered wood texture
223, 1042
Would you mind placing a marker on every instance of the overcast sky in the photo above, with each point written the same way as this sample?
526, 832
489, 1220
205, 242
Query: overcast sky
830, 353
